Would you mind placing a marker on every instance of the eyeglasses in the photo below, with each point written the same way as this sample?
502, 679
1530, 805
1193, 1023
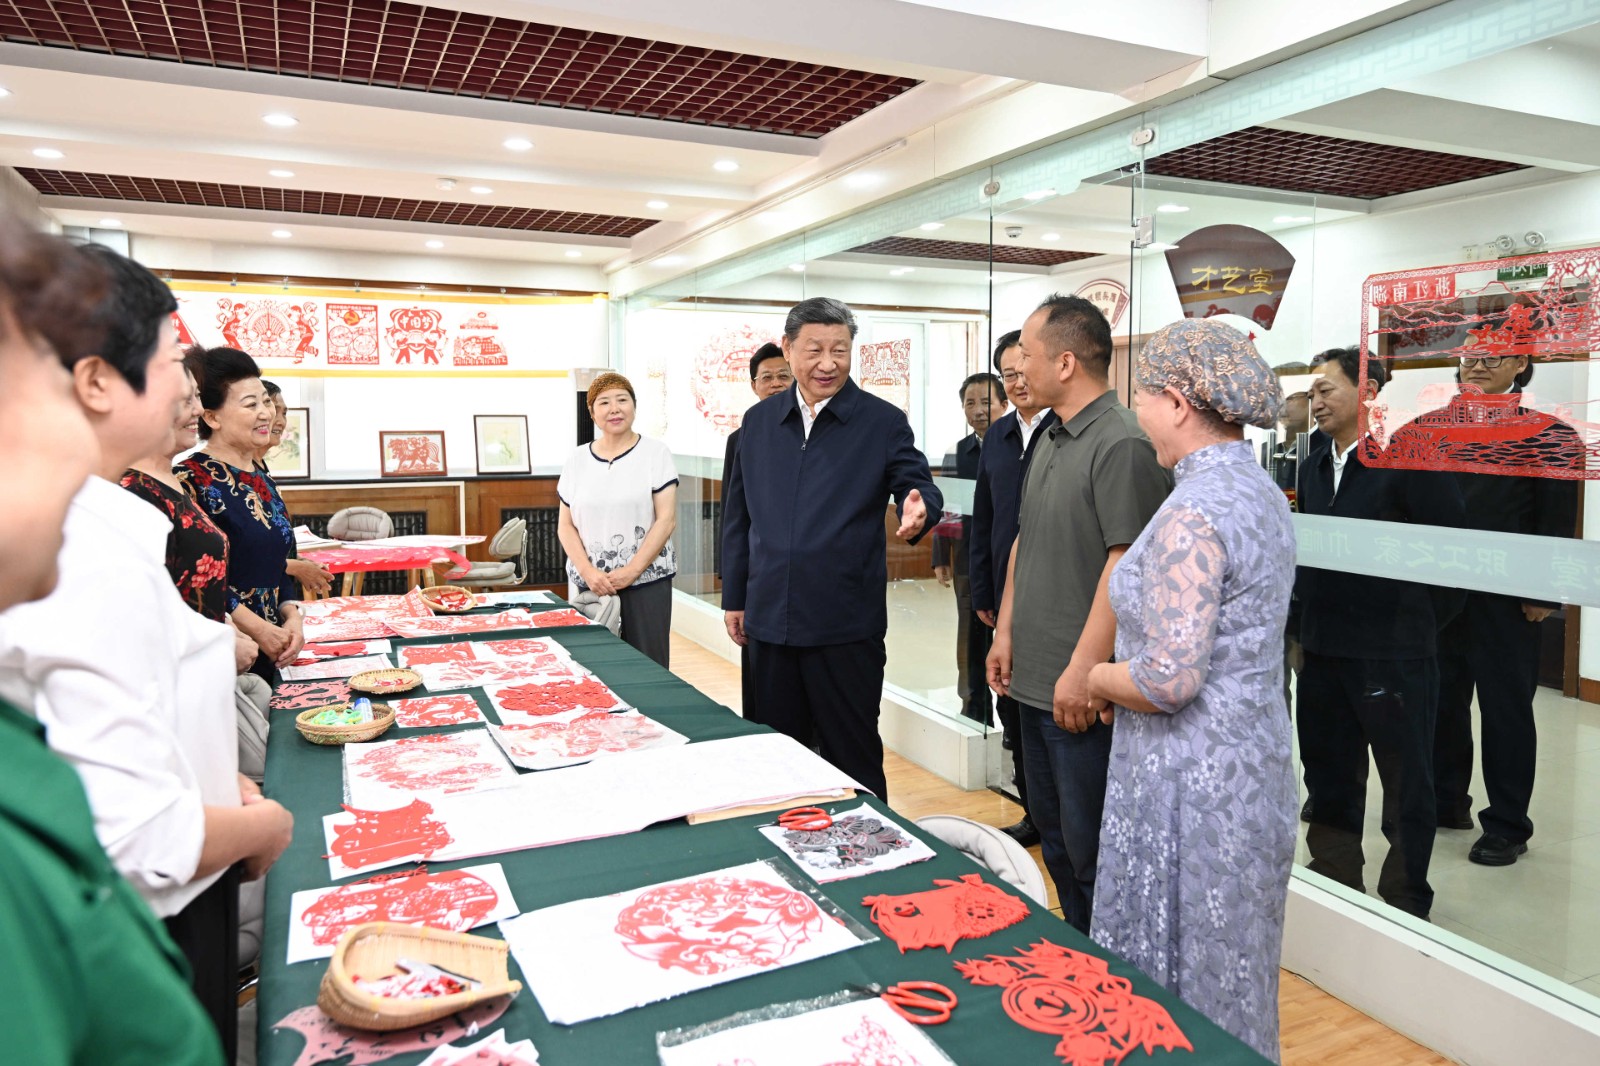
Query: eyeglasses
1010, 377
1488, 362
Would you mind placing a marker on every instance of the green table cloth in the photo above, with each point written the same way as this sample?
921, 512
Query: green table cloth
307, 779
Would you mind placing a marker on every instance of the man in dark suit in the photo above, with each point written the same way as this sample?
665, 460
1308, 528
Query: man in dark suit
996, 500
983, 399
804, 567
769, 375
1370, 677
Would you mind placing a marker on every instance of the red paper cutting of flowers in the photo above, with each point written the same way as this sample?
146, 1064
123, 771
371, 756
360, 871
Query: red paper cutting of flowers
714, 924
453, 900
557, 697
1052, 989
956, 910
377, 837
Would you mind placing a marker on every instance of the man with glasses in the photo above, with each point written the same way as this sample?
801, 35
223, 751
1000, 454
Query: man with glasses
1493, 645
996, 499
769, 375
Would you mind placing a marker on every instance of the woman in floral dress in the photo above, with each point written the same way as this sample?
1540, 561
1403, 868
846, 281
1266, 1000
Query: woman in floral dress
1198, 834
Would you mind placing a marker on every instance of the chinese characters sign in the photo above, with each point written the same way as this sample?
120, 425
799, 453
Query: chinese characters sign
1487, 375
1231, 270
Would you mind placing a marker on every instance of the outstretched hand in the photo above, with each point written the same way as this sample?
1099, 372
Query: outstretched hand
913, 515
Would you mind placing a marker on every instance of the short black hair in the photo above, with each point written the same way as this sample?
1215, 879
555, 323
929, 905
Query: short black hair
1007, 340
1349, 360
763, 353
223, 367
272, 388
130, 315
1073, 324
48, 290
984, 379
818, 311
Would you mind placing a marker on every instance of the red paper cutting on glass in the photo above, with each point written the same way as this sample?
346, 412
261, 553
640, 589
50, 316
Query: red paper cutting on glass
268, 328
427, 712
328, 1041
558, 696
299, 695
1073, 995
453, 900
477, 342
714, 924
1435, 330
884, 369
721, 380
415, 331
957, 910
352, 334
379, 837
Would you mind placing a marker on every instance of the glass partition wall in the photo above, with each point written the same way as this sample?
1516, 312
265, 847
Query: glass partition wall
1304, 204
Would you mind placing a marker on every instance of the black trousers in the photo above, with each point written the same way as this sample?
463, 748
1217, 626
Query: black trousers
647, 619
1490, 646
827, 698
1345, 707
1009, 714
977, 702
207, 932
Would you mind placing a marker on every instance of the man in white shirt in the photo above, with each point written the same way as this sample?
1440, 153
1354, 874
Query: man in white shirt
134, 689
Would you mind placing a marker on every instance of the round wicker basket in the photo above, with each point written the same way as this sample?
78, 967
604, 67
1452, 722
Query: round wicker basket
372, 950
382, 719
446, 599
385, 682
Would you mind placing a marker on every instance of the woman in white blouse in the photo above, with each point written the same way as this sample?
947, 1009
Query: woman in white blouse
617, 514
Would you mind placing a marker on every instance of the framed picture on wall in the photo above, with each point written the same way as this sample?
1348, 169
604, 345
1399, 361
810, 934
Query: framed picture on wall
291, 459
502, 444
411, 453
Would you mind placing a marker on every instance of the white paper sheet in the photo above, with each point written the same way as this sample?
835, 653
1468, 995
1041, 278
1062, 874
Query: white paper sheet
608, 797
860, 841
861, 1031
544, 696
582, 738
665, 940
336, 667
454, 900
381, 774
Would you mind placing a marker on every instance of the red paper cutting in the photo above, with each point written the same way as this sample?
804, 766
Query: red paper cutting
315, 653
422, 654
426, 712
300, 695
957, 910
715, 924
1052, 989
328, 1041
523, 647
565, 616
439, 762
588, 735
453, 900
378, 837
557, 697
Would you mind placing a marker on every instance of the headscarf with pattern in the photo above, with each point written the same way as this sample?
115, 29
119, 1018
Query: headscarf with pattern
1215, 368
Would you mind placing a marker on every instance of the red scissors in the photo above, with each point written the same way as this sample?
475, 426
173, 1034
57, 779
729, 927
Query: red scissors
805, 820
904, 996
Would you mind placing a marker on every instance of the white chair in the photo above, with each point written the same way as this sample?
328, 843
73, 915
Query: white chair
509, 547
360, 523
991, 849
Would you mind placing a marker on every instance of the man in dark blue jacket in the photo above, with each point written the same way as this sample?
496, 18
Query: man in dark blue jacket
996, 499
804, 567
1370, 676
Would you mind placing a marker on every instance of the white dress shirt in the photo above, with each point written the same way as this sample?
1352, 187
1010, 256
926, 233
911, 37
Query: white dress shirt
1027, 428
1340, 458
134, 689
808, 417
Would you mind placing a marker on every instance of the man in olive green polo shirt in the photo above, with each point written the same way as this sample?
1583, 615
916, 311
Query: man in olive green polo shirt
1092, 485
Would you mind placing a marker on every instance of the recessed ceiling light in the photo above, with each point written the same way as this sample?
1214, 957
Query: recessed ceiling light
897, 271
280, 119
480, 190
111, 223
279, 172
573, 253
1172, 209
434, 244
1284, 220
1050, 236
1039, 194
727, 166
49, 153
658, 205
798, 268
282, 234
517, 144
931, 226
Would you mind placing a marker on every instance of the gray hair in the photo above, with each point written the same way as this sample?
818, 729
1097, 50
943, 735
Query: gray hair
818, 311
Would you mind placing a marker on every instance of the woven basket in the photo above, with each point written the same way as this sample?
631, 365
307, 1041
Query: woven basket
385, 682
382, 719
431, 594
371, 951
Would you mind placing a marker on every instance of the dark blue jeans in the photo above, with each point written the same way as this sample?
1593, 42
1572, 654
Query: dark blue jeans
1066, 775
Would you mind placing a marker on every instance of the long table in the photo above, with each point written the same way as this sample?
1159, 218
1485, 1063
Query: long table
308, 780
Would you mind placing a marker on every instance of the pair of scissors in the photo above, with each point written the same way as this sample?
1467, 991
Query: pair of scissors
805, 820
906, 999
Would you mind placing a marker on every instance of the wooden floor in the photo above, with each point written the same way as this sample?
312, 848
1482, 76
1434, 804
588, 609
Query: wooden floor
1315, 1027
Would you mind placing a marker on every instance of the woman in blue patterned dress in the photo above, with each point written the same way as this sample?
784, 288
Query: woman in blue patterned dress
243, 501
1199, 828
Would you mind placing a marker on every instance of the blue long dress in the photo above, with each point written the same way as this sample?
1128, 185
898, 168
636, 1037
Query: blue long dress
1199, 828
